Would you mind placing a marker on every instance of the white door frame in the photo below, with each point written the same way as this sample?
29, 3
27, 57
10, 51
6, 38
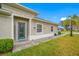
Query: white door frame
16, 29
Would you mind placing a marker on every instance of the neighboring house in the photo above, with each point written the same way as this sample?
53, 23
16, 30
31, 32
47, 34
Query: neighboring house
21, 24
60, 28
76, 28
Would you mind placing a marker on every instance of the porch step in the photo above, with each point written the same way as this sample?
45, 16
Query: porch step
21, 45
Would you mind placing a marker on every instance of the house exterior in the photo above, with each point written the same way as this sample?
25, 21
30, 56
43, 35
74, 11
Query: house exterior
21, 24
75, 28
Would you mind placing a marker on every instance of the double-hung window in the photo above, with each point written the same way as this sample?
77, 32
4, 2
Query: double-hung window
39, 28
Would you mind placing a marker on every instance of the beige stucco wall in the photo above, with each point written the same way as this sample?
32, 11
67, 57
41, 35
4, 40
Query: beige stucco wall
5, 26
17, 11
46, 27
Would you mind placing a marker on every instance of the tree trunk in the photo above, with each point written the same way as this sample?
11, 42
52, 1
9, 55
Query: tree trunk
71, 27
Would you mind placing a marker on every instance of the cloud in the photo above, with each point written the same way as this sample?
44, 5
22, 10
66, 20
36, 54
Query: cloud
63, 18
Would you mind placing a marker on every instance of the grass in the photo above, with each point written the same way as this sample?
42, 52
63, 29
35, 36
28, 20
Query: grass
63, 46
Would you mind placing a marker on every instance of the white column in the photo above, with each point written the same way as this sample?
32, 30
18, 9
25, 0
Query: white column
12, 16
29, 33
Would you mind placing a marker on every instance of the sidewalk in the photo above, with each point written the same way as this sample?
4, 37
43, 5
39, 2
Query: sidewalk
75, 32
35, 42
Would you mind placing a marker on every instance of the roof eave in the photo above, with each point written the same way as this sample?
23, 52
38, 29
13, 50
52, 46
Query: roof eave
5, 12
22, 7
28, 9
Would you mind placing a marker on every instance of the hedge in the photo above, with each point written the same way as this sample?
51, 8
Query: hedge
6, 45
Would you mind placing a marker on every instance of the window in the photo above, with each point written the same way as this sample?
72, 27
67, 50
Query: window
39, 28
51, 28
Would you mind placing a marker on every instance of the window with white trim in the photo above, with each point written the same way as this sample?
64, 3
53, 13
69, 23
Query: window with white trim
51, 28
39, 28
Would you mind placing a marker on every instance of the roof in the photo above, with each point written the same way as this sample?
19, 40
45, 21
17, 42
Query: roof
22, 7
46, 21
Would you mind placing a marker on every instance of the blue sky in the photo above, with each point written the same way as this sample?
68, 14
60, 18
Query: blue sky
54, 11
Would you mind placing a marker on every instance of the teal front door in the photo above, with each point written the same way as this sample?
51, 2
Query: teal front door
21, 31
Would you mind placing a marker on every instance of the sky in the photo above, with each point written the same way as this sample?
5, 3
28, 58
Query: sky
54, 12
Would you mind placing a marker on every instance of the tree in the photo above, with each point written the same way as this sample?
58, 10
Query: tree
70, 22
66, 23
76, 19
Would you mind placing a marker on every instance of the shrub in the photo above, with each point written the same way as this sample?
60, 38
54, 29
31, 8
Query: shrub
55, 34
6, 45
59, 33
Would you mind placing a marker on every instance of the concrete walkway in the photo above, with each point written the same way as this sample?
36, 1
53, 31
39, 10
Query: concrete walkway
34, 42
75, 32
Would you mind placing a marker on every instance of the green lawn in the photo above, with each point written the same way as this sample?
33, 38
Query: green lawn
63, 46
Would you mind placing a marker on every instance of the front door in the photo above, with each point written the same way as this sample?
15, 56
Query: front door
21, 31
